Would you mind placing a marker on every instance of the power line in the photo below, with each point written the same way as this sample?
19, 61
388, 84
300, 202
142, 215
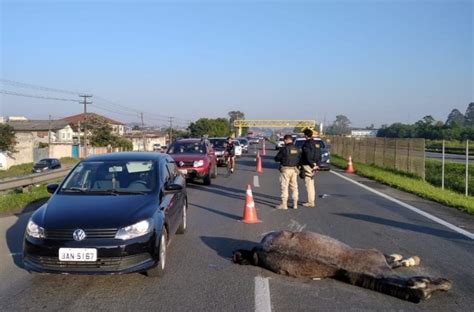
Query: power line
106, 105
37, 96
35, 87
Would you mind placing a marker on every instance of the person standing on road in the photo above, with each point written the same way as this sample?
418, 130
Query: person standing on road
310, 161
289, 156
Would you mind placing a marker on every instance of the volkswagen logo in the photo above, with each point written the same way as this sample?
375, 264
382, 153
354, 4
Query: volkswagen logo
181, 163
79, 235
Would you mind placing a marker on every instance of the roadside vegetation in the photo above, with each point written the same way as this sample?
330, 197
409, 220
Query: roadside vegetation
412, 184
25, 169
454, 175
15, 201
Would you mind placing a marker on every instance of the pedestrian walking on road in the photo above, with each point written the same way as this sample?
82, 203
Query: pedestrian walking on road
289, 156
310, 161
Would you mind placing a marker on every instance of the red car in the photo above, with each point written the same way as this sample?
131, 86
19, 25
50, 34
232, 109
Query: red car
195, 159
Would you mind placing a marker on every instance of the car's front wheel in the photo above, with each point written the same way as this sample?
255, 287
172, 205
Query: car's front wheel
207, 178
159, 270
184, 221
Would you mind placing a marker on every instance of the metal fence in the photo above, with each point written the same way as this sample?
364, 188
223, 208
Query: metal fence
406, 155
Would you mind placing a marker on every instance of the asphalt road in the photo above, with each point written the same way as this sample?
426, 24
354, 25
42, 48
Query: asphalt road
449, 157
201, 277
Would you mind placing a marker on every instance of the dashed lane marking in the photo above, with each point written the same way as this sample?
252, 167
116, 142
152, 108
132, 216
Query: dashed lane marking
262, 295
410, 207
256, 182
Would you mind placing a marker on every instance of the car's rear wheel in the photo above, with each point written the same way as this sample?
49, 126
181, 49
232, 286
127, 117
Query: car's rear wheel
184, 221
159, 270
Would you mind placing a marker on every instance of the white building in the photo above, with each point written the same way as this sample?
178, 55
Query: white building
364, 133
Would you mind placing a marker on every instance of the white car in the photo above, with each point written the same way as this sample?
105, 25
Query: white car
280, 143
237, 148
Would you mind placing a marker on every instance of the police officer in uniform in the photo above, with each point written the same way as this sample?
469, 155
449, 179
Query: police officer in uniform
289, 157
310, 161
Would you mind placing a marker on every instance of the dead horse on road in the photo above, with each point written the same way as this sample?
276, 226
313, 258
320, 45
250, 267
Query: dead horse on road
312, 255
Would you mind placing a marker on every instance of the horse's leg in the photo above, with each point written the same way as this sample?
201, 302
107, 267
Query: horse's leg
396, 261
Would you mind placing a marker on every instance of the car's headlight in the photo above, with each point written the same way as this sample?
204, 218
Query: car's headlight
34, 230
135, 230
198, 163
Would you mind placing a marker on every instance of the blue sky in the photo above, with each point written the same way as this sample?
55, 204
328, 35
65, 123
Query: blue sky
374, 61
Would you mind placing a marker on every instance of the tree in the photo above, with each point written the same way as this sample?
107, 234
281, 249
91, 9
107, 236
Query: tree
340, 126
102, 136
455, 117
236, 115
210, 127
469, 115
7, 138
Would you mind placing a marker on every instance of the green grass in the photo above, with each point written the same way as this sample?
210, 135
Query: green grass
24, 169
410, 184
15, 201
454, 175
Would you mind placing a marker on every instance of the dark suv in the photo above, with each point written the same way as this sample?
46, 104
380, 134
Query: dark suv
325, 153
195, 159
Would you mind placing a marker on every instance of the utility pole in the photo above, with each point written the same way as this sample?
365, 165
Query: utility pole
143, 133
85, 102
171, 130
49, 137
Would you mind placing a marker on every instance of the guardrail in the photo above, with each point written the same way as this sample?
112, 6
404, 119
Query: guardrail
13, 183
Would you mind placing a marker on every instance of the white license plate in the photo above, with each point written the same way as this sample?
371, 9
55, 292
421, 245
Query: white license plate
77, 254
183, 171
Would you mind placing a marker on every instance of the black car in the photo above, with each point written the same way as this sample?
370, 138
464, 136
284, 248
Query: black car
113, 213
46, 164
325, 153
219, 147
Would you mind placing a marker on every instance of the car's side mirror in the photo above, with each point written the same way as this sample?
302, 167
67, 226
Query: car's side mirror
51, 188
173, 188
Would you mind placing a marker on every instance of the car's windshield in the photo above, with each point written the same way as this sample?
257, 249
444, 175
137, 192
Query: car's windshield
43, 162
244, 141
236, 143
218, 143
187, 148
105, 176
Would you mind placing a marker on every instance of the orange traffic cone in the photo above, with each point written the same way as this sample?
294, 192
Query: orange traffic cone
250, 212
350, 168
259, 163
264, 152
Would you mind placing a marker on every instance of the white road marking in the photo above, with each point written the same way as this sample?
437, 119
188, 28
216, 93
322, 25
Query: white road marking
256, 182
262, 295
412, 208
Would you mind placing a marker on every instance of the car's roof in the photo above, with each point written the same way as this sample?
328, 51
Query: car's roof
48, 159
218, 138
128, 156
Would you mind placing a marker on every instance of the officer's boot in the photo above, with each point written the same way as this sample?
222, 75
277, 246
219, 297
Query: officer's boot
283, 205
295, 204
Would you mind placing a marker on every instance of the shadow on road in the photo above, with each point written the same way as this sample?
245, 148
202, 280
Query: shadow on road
237, 194
225, 214
225, 246
405, 226
14, 235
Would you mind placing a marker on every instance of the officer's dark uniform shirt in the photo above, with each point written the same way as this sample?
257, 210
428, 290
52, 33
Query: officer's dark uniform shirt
311, 153
288, 156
